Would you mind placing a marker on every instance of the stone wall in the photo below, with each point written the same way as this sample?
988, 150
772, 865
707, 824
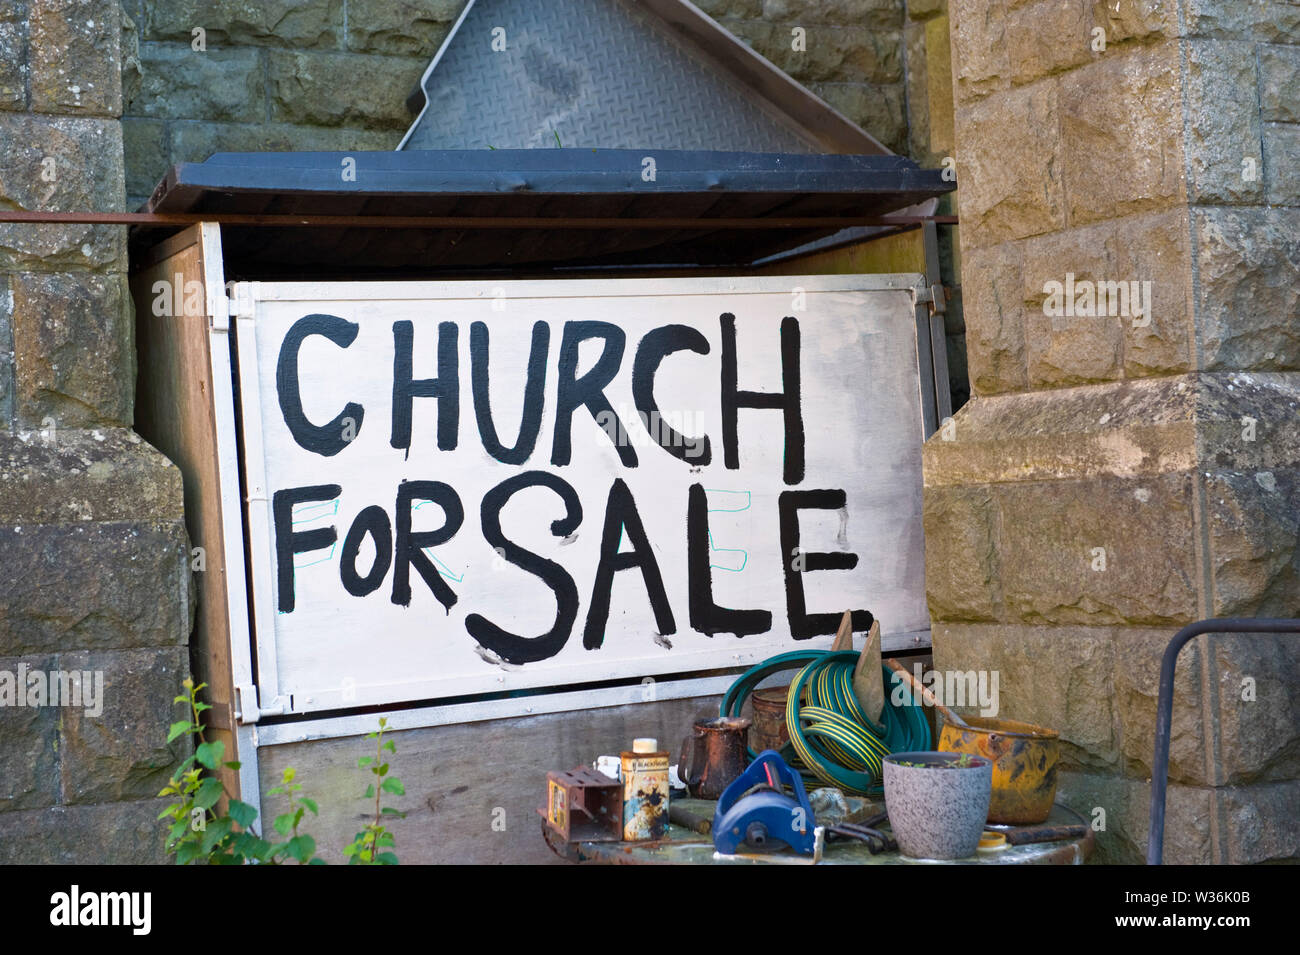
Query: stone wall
93, 551
1118, 476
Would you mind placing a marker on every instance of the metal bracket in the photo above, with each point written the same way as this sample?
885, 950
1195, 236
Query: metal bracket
247, 709
934, 296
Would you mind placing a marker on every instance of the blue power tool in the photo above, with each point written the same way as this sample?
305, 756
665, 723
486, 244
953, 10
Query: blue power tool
768, 814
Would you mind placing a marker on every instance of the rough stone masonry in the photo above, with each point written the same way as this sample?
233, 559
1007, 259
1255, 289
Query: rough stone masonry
1118, 477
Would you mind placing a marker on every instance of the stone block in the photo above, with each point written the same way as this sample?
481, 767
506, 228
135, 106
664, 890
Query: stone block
195, 142
67, 164
178, 82
1281, 160
1258, 712
1134, 20
1273, 21
834, 53
1248, 293
961, 554
877, 109
123, 833
1069, 555
65, 475
1080, 348
1048, 36
1246, 421
401, 27
6, 354
294, 24
981, 59
872, 13
1074, 695
311, 89
731, 8
13, 56
1261, 823
1128, 430
1279, 83
122, 752
1009, 166
145, 145
1137, 656
1254, 530
94, 586
994, 310
1126, 803
1221, 138
74, 349
75, 57
1154, 248
1121, 134
29, 768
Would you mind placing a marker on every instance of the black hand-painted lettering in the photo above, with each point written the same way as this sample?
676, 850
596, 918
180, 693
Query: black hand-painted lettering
289, 542
573, 392
654, 347
326, 440
788, 400
620, 515
411, 544
373, 520
512, 647
706, 616
534, 399
803, 625
446, 387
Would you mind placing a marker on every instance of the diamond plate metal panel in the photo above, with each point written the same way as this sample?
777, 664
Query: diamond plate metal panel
592, 73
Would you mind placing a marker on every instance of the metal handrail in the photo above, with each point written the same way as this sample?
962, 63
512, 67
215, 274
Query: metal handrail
1165, 710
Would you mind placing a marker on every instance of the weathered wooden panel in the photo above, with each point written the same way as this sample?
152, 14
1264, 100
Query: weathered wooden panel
461, 779
174, 412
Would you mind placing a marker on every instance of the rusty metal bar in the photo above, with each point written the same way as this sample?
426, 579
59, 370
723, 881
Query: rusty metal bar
453, 222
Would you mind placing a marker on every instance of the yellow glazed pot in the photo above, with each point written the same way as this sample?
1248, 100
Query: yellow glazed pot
1024, 765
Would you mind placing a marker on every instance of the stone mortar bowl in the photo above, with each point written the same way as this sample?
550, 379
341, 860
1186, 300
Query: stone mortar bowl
937, 809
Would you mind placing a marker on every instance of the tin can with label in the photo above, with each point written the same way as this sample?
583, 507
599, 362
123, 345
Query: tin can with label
645, 791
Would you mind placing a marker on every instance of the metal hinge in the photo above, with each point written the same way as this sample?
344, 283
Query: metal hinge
246, 706
934, 296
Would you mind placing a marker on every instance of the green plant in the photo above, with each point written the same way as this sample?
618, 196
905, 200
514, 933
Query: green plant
369, 845
299, 846
199, 830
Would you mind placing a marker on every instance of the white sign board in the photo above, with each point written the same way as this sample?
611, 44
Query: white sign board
460, 488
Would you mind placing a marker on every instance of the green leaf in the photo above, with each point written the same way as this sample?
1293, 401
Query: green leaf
390, 811
302, 848
383, 769
187, 853
179, 729
364, 761
385, 839
310, 804
216, 831
317, 861
209, 793
233, 764
242, 813
388, 858
393, 785
388, 745
369, 793
284, 824
210, 754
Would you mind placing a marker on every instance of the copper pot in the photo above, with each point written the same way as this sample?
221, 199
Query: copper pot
713, 756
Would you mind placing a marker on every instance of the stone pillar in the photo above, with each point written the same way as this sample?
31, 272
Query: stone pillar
94, 568
1119, 475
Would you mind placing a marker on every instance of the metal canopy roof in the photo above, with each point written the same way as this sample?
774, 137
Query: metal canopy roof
550, 184
615, 74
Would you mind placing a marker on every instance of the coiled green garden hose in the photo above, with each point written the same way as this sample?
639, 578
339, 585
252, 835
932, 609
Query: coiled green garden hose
834, 741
